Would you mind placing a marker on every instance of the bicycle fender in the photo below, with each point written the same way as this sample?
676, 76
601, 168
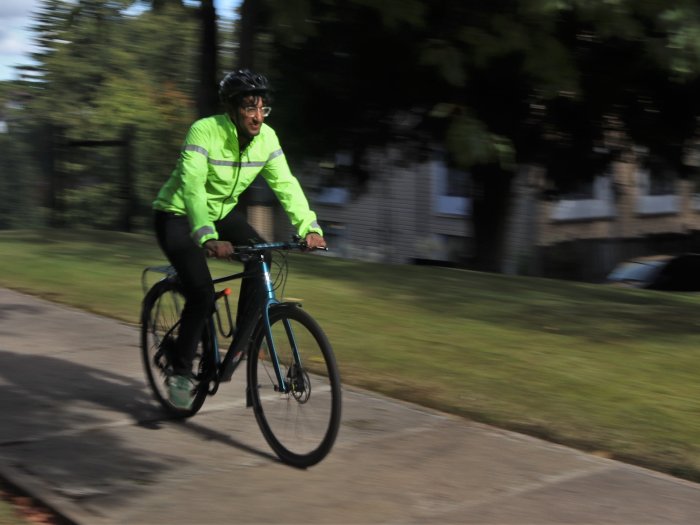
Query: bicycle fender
290, 302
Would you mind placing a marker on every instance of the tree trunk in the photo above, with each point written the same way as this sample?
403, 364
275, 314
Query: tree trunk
249, 19
207, 98
128, 192
491, 199
52, 136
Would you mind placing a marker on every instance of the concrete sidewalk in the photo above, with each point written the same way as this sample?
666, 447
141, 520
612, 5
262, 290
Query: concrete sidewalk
80, 432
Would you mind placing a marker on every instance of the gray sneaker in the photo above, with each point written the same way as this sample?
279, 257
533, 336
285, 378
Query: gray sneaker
180, 389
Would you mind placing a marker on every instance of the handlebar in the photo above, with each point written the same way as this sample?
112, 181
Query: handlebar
261, 247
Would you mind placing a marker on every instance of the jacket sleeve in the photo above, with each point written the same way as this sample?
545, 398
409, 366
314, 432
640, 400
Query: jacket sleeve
288, 190
193, 173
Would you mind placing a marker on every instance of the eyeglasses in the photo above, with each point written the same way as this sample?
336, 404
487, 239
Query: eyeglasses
251, 111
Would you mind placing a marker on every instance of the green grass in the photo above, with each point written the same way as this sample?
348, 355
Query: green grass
8, 515
16, 510
604, 369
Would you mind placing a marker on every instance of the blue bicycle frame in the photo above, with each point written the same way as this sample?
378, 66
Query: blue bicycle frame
268, 301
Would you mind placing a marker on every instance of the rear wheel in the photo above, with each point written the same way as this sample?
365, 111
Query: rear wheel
301, 423
160, 322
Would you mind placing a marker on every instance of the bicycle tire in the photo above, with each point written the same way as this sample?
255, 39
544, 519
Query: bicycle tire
160, 316
300, 426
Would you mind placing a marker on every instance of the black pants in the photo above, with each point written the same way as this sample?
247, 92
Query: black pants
190, 262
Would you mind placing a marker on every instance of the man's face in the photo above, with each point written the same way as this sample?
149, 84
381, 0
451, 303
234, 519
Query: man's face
249, 116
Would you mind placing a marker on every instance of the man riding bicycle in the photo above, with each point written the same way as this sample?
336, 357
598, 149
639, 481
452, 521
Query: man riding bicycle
196, 215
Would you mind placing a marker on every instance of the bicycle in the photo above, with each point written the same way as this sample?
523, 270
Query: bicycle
293, 383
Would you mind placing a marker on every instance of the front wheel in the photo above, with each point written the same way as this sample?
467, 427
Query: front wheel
160, 321
299, 421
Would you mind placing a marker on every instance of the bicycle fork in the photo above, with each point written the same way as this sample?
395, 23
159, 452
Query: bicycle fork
246, 334
282, 385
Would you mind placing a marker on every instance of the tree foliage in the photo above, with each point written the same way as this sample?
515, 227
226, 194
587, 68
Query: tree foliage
101, 70
565, 84
515, 80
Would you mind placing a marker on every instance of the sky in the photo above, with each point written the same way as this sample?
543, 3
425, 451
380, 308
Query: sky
16, 39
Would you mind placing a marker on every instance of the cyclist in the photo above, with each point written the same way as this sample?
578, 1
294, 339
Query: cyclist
196, 215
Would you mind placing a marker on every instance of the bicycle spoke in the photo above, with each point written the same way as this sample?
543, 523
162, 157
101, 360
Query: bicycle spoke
301, 422
159, 331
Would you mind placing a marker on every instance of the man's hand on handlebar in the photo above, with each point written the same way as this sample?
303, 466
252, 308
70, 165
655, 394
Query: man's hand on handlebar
218, 249
314, 242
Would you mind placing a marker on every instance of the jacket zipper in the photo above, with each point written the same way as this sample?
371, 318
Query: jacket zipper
238, 176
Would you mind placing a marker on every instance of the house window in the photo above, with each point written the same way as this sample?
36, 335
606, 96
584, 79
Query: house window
598, 203
451, 187
579, 190
662, 185
335, 177
695, 192
333, 195
457, 182
657, 191
656, 178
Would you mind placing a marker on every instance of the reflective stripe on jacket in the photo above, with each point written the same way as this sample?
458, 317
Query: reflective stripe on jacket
212, 173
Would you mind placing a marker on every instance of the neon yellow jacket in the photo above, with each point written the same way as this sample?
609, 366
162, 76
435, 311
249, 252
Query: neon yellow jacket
212, 173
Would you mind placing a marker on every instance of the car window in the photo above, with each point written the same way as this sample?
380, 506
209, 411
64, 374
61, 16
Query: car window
635, 271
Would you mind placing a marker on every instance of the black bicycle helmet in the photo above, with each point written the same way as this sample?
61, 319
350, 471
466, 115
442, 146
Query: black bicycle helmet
242, 82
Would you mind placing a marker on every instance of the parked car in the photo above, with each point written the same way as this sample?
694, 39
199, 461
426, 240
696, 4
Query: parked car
677, 273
